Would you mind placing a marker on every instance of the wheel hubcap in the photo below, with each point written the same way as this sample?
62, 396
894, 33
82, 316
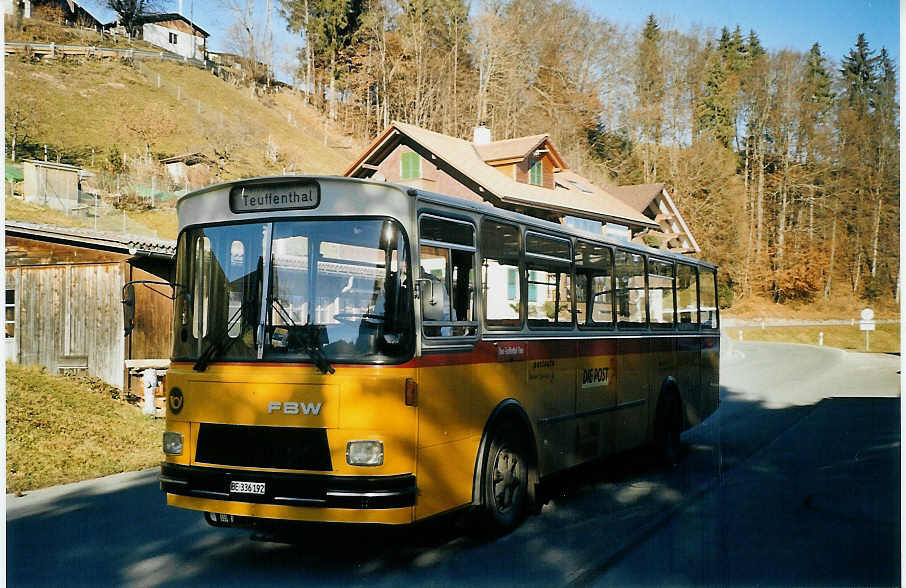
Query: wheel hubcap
509, 478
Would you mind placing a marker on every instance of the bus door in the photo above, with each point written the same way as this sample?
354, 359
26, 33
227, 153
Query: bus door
662, 348
631, 411
550, 365
596, 357
451, 367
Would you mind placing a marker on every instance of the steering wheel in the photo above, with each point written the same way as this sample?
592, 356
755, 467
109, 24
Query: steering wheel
352, 318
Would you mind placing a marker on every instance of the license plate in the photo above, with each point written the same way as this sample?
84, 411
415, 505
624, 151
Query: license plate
246, 487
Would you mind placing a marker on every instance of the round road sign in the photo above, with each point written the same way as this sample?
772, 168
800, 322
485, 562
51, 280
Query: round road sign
868, 314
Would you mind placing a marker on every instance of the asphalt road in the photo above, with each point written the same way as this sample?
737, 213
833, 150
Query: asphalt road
794, 481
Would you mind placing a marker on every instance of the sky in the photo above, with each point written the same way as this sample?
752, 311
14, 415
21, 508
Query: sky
780, 24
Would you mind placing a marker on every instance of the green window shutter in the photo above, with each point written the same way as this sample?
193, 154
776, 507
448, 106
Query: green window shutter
535, 174
411, 165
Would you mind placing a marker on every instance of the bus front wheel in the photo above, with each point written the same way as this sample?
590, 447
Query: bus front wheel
505, 488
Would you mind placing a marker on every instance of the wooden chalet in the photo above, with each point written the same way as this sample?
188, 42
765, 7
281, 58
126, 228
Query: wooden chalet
63, 301
526, 175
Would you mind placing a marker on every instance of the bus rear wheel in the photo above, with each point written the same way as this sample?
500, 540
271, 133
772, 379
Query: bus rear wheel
669, 427
505, 494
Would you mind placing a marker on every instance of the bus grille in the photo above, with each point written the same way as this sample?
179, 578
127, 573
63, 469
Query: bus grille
285, 448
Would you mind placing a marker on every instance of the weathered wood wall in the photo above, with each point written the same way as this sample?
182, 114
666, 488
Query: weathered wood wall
69, 311
70, 317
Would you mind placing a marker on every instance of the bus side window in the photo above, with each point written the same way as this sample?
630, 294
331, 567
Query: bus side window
447, 277
687, 296
660, 293
547, 275
501, 296
594, 275
632, 304
707, 310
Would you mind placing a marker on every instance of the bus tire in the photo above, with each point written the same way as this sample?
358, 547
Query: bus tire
668, 426
506, 473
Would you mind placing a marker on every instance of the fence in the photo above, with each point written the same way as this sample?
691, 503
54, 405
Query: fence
53, 50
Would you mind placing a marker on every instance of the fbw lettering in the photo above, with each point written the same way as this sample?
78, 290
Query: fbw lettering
599, 376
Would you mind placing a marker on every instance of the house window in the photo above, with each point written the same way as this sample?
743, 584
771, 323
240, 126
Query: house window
533, 281
173, 38
512, 285
535, 174
411, 165
10, 314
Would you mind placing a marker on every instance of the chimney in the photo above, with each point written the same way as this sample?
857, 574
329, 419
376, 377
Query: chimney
482, 135
179, 10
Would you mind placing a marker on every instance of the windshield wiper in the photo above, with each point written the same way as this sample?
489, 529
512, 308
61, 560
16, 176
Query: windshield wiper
311, 342
219, 344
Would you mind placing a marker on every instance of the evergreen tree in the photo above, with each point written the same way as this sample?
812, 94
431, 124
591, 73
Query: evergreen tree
818, 81
754, 50
714, 110
886, 86
736, 53
650, 80
859, 76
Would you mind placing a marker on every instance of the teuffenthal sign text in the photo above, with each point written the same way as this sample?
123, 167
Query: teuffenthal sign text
267, 197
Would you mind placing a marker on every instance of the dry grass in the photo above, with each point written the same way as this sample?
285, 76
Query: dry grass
160, 223
61, 430
842, 305
886, 339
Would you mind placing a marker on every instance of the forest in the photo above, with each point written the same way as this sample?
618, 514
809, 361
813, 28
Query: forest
785, 164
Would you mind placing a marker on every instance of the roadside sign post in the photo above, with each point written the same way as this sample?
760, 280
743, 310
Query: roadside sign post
867, 323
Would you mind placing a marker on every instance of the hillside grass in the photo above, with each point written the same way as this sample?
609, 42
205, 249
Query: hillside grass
62, 429
885, 339
82, 105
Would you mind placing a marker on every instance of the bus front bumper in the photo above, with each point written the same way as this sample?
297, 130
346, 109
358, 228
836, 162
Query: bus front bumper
211, 489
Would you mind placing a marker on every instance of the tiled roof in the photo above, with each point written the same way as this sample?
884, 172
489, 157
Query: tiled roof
463, 156
119, 242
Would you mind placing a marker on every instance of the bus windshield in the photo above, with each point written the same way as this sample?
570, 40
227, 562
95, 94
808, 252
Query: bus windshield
337, 290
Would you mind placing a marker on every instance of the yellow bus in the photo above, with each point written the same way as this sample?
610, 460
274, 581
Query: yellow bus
361, 352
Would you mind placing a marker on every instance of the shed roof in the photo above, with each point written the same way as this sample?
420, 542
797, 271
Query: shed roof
117, 242
189, 159
465, 158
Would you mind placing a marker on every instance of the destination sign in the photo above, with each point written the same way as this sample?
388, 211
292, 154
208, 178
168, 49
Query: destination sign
269, 197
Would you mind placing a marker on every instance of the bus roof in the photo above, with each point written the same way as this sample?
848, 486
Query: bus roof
464, 205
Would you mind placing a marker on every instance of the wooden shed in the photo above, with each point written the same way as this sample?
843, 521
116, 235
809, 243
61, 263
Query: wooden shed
53, 184
63, 300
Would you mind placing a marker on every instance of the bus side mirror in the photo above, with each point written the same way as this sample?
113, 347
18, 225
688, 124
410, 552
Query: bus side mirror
128, 309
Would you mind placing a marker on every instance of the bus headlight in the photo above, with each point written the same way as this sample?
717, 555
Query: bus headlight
365, 453
172, 443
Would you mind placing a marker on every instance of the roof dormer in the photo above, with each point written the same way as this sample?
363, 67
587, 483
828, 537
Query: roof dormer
528, 160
